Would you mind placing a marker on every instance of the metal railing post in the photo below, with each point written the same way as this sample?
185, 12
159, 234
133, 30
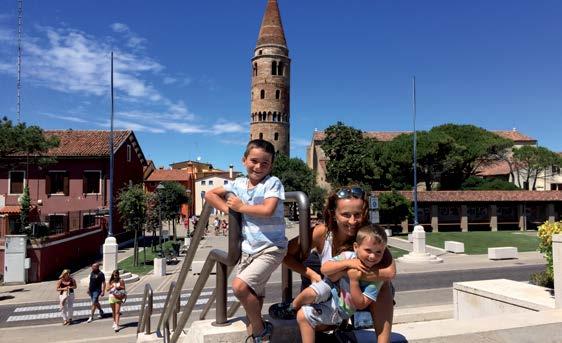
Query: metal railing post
221, 318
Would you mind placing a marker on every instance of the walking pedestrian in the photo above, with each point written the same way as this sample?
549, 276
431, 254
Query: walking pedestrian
66, 286
117, 296
96, 289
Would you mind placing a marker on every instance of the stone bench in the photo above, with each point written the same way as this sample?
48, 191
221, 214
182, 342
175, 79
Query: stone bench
502, 253
454, 246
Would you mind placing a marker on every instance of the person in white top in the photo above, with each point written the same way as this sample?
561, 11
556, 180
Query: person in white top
346, 211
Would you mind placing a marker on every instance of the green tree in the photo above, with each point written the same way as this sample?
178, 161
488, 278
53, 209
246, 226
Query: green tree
480, 184
295, 176
473, 148
25, 206
293, 173
432, 152
27, 142
132, 206
317, 198
170, 198
531, 161
394, 207
353, 159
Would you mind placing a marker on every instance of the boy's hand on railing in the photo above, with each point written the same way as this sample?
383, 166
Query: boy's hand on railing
234, 203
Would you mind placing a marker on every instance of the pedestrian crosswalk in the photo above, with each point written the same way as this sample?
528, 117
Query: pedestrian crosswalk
82, 308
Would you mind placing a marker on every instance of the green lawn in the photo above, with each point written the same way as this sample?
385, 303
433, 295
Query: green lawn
478, 242
397, 252
142, 269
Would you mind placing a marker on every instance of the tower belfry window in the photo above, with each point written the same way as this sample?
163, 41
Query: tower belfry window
274, 68
280, 68
262, 94
277, 94
276, 137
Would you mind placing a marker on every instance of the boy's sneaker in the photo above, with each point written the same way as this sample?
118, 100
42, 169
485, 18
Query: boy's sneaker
101, 314
90, 319
282, 311
265, 335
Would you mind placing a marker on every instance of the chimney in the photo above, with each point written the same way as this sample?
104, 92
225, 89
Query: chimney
230, 171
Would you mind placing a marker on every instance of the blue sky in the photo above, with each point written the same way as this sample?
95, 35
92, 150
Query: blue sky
183, 68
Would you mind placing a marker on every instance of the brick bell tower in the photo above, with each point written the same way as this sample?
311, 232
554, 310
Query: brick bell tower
270, 112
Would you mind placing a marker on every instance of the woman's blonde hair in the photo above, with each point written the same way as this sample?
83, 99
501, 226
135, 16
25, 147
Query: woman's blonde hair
64, 272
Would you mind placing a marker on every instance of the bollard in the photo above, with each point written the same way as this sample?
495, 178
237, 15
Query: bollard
557, 266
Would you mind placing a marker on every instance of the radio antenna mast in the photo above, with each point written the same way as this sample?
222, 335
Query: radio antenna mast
18, 82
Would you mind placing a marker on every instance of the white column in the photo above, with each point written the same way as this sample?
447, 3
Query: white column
418, 255
110, 250
557, 261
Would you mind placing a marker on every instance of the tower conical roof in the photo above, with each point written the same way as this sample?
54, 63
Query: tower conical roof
271, 31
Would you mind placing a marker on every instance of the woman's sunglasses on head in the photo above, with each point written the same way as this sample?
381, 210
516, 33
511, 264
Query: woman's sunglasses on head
353, 192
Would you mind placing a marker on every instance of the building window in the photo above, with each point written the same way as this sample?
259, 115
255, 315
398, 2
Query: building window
261, 135
128, 153
260, 51
276, 136
57, 183
274, 68
555, 170
556, 186
17, 181
255, 69
262, 94
225, 182
88, 220
57, 223
203, 183
274, 116
92, 182
280, 68
210, 182
277, 94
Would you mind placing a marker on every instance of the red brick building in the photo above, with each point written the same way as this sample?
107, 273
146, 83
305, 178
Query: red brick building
70, 195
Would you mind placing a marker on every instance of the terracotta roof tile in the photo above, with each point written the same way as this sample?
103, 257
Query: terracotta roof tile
499, 168
11, 209
85, 143
479, 196
515, 136
169, 175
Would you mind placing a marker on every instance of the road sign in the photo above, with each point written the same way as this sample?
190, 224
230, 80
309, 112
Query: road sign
374, 217
373, 203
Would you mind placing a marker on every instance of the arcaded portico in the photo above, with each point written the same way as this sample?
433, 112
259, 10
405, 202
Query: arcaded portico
484, 210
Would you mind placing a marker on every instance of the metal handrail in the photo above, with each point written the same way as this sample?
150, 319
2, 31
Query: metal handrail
224, 261
305, 237
146, 310
186, 265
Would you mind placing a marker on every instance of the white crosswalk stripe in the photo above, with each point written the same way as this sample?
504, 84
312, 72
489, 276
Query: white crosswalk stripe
132, 304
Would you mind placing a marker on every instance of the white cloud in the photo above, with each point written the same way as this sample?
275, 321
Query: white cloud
223, 126
168, 80
127, 125
183, 127
119, 27
133, 40
66, 117
74, 62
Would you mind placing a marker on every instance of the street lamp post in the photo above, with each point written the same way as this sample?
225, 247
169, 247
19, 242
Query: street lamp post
189, 214
159, 188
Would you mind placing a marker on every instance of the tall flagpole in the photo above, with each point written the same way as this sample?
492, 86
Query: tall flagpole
110, 232
416, 222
